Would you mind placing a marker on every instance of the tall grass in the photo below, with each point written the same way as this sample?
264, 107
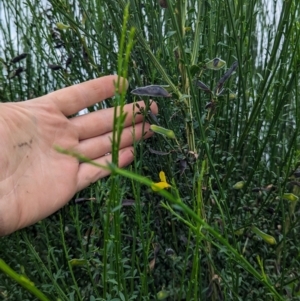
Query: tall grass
226, 229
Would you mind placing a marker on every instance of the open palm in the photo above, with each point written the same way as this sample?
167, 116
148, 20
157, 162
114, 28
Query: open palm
35, 180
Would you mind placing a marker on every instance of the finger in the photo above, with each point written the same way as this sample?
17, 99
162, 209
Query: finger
75, 98
100, 122
88, 173
101, 145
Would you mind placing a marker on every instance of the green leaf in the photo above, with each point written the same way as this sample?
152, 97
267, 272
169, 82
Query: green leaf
122, 296
170, 33
194, 70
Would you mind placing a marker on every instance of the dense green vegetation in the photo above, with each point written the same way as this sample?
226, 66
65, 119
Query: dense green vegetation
227, 228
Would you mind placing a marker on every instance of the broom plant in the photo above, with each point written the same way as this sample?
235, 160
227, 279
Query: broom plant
208, 209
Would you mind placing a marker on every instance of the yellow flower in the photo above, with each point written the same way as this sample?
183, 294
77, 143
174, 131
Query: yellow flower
160, 185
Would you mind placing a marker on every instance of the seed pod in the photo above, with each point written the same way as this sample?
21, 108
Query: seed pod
256, 189
54, 67
163, 3
152, 117
19, 58
82, 200
226, 76
153, 90
156, 152
128, 202
202, 86
294, 183
15, 72
297, 173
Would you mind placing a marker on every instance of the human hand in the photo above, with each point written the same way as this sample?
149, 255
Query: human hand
36, 180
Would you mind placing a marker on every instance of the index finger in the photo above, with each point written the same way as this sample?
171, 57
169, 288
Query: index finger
72, 99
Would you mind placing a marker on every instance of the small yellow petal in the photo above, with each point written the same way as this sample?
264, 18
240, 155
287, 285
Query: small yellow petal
159, 186
162, 176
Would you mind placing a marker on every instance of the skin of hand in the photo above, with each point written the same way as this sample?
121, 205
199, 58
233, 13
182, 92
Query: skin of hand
36, 180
